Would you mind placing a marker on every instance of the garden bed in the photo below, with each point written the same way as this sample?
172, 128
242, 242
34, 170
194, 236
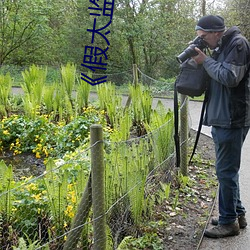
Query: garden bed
178, 222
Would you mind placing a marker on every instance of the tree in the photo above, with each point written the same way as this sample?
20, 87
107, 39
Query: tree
237, 12
21, 21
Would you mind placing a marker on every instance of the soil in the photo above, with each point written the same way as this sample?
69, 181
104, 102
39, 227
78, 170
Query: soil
25, 164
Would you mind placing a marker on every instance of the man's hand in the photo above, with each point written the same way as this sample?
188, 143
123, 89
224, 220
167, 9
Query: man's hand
200, 58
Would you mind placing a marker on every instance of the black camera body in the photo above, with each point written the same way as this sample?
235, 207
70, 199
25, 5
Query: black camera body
190, 51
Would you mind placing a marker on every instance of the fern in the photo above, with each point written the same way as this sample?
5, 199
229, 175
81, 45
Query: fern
6, 184
161, 126
5, 90
110, 102
83, 92
48, 98
33, 86
56, 185
68, 74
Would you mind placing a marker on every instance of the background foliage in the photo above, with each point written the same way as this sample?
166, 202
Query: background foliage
148, 33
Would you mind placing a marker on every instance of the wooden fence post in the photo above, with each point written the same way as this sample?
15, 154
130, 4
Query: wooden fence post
80, 218
98, 194
135, 74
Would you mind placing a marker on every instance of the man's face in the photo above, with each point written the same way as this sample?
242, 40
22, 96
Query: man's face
211, 38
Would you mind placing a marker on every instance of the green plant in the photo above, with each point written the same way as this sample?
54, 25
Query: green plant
123, 124
184, 181
65, 181
56, 187
48, 98
147, 241
23, 134
45, 138
126, 172
82, 98
161, 126
141, 103
110, 102
33, 85
6, 196
5, 90
23, 246
68, 74
164, 191
30, 208
28, 244
176, 199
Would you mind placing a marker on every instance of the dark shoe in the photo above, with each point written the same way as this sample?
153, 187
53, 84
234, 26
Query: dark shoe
221, 231
241, 219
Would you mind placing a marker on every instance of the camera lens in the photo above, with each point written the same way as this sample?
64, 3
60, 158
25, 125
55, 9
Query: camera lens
187, 53
190, 50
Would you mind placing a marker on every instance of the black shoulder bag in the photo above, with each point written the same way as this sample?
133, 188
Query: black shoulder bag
192, 79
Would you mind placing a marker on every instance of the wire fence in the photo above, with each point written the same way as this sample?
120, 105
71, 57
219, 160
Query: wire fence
43, 209
158, 87
55, 210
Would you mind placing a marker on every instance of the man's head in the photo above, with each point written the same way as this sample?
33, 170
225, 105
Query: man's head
211, 29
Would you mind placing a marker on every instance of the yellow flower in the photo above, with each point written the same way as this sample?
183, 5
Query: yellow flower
102, 112
38, 156
6, 132
37, 196
69, 211
12, 145
45, 151
14, 209
73, 199
31, 187
17, 152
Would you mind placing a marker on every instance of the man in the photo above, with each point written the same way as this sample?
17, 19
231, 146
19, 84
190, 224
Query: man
228, 112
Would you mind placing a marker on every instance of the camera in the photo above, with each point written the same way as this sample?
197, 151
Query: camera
190, 51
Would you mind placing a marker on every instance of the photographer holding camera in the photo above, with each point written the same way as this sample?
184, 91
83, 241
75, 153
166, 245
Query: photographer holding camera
228, 112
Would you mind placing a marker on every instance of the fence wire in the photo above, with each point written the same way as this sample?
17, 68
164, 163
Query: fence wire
44, 210
40, 211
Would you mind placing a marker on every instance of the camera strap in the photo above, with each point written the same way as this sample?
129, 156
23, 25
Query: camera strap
176, 127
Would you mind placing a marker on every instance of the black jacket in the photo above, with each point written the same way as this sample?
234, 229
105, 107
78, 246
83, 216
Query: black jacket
229, 90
